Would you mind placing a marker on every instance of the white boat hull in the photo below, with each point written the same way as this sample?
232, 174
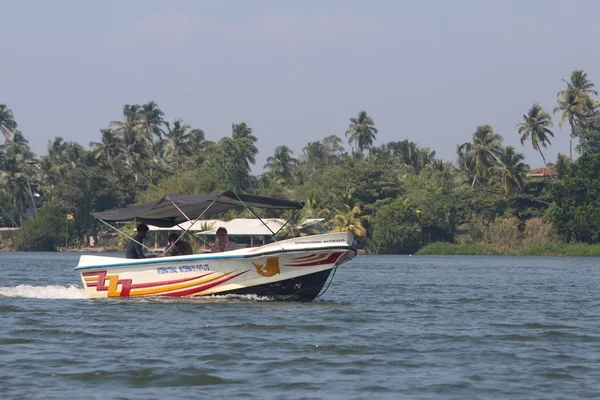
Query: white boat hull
293, 269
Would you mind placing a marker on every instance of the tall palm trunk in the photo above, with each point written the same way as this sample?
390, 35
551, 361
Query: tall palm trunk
545, 163
474, 180
572, 123
543, 158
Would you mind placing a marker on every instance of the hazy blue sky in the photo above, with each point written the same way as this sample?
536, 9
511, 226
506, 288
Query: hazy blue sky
427, 71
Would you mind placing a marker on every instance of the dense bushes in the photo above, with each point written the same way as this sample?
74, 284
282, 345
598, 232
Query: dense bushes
396, 228
537, 238
44, 233
502, 236
479, 249
577, 197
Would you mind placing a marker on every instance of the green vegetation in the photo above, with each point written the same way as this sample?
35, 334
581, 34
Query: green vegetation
479, 249
578, 196
45, 232
395, 197
562, 249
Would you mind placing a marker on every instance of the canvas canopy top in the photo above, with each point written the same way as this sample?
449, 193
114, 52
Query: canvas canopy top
174, 209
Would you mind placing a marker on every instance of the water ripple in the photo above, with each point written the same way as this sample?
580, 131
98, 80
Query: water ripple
388, 328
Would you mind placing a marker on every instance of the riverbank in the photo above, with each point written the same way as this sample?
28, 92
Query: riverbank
438, 248
6, 247
9, 248
481, 249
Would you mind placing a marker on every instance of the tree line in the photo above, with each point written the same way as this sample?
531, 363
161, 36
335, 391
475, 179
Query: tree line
391, 196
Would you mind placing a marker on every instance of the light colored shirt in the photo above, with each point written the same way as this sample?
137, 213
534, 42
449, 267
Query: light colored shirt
228, 246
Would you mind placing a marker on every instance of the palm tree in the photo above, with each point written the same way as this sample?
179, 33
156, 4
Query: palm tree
292, 227
348, 220
296, 225
132, 112
150, 121
159, 148
314, 209
136, 152
582, 88
410, 154
65, 156
281, 163
345, 198
446, 168
133, 120
57, 148
347, 216
334, 150
424, 158
109, 150
562, 164
140, 123
7, 121
76, 155
14, 183
181, 141
57, 155
484, 151
362, 132
536, 127
466, 163
245, 144
512, 170
572, 112
49, 174
406, 150
19, 139
313, 154
574, 102
19, 146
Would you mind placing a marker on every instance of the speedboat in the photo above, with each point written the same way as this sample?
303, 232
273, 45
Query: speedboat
291, 269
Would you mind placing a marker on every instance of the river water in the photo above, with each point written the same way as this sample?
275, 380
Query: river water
389, 327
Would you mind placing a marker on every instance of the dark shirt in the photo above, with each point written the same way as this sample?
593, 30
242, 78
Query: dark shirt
134, 250
185, 248
181, 248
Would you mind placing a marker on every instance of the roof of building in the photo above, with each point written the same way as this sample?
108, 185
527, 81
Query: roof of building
541, 172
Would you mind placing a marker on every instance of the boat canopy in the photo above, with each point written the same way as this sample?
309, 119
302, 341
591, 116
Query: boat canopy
174, 209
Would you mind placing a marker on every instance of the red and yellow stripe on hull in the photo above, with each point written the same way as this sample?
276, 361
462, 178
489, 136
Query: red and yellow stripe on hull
314, 259
193, 286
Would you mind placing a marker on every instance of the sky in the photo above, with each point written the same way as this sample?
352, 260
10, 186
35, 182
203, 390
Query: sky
295, 71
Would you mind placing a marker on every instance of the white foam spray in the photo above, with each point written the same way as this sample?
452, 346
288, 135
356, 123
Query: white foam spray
43, 292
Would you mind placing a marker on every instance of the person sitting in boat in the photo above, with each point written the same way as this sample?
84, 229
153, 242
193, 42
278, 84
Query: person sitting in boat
134, 247
222, 243
181, 248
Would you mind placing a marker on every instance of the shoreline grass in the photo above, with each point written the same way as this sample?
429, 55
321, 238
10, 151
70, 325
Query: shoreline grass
481, 249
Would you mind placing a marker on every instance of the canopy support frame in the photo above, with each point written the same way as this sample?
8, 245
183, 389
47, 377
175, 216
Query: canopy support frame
127, 236
260, 219
189, 220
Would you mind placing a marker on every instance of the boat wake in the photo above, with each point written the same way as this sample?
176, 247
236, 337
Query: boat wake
224, 298
76, 292
43, 292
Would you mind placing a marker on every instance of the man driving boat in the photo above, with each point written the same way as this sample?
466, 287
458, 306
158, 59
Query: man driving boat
134, 247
